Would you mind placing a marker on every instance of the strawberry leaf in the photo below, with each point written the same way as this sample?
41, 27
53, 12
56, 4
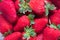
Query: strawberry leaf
52, 7
48, 7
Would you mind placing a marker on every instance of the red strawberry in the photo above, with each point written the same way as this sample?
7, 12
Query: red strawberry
37, 6
8, 10
55, 17
22, 22
39, 37
51, 34
17, 2
13, 36
40, 24
4, 25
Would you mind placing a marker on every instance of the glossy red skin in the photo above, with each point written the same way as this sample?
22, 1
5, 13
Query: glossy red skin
56, 3
4, 25
39, 37
17, 2
51, 34
13, 36
22, 22
40, 24
32, 38
37, 6
8, 10
55, 18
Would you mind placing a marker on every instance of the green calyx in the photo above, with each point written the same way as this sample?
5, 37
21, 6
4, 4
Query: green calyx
31, 17
48, 7
7, 33
53, 26
24, 7
29, 32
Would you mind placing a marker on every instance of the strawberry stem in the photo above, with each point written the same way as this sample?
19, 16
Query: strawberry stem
7, 33
31, 17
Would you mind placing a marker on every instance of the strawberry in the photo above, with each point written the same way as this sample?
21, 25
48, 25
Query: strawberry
39, 37
51, 33
13, 36
39, 8
39, 24
22, 22
55, 17
4, 25
8, 10
17, 2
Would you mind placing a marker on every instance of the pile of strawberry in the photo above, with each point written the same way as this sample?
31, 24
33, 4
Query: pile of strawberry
30, 19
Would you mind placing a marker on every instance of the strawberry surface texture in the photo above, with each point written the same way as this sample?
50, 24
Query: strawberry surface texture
29, 19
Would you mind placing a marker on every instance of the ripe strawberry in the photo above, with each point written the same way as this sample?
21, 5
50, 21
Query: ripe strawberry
55, 17
39, 24
51, 34
22, 22
39, 8
17, 2
4, 25
39, 37
13, 36
8, 10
